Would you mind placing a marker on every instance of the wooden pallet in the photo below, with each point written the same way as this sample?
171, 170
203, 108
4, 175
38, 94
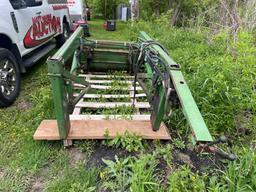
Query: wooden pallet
93, 126
97, 129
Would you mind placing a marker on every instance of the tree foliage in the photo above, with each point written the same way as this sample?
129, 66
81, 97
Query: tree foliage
105, 8
228, 14
216, 14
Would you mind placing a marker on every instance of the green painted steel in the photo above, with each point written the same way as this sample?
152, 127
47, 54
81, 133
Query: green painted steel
99, 66
149, 71
75, 64
108, 44
189, 107
105, 61
107, 56
61, 87
159, 113
59, 91
69, 47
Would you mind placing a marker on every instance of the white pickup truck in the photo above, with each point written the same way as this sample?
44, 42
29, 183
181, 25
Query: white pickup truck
29, 29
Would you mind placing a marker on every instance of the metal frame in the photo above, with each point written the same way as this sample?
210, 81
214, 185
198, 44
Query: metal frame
117, 56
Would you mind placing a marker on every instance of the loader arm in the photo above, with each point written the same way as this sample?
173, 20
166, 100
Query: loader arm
168, 86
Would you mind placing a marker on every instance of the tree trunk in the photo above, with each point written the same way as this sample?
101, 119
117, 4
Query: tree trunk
170, 4
135, 9
157, 8
176, 14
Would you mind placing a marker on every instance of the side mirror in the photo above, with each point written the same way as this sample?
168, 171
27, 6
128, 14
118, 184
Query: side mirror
18, 4
34, 3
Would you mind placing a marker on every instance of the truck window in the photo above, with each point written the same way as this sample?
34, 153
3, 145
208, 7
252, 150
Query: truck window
57, 1
16, 3
33, 3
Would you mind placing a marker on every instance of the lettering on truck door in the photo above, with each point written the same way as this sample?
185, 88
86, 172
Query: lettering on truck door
59, 9
44, 25
37, 25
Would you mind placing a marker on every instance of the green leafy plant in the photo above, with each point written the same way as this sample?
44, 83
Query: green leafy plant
179, 143
164, 152
116, 175
183, 179
131, 174
107, 139
85, 146
124, 111
143, 177
128, 141
240, 175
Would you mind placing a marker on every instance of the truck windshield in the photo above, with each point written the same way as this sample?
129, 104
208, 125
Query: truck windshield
76, 9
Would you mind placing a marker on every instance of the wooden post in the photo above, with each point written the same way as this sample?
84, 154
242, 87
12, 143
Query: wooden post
106, 9
134, 10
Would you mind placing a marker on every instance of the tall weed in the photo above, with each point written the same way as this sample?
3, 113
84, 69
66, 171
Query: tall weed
131, 174
220, 73
239, 176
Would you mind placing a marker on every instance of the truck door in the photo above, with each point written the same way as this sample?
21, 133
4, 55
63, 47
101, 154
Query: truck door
60, 11
36, 24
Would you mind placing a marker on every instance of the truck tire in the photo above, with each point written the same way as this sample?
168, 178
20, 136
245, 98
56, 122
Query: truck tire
9, 78
61, 39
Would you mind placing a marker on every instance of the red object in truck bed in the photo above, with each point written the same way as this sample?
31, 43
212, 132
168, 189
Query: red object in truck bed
78, 23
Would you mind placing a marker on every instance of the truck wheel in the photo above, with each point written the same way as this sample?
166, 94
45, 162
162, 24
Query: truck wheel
61, 39
9, 78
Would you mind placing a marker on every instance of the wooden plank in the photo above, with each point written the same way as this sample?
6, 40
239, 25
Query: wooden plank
106, 87
76, 111
110, 81
96, 96
142, 105
48, 130
102, 117
105, 76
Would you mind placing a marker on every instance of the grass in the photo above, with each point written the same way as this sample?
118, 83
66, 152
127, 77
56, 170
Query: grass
28, 165
131, 174
99, 32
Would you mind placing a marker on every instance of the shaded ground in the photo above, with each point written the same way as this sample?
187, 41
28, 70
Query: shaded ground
103, 152
198, 163
38, 186
75, 155
1, 174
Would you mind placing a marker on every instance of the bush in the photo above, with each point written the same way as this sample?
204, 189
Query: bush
239, 176
131, 174
184, 179
220, 73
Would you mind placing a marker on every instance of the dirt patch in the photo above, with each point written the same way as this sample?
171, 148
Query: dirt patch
24, 105
1, 174
103, 152
197, 162
243, 123
75, 155
37, 186
185, 158
163, 171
